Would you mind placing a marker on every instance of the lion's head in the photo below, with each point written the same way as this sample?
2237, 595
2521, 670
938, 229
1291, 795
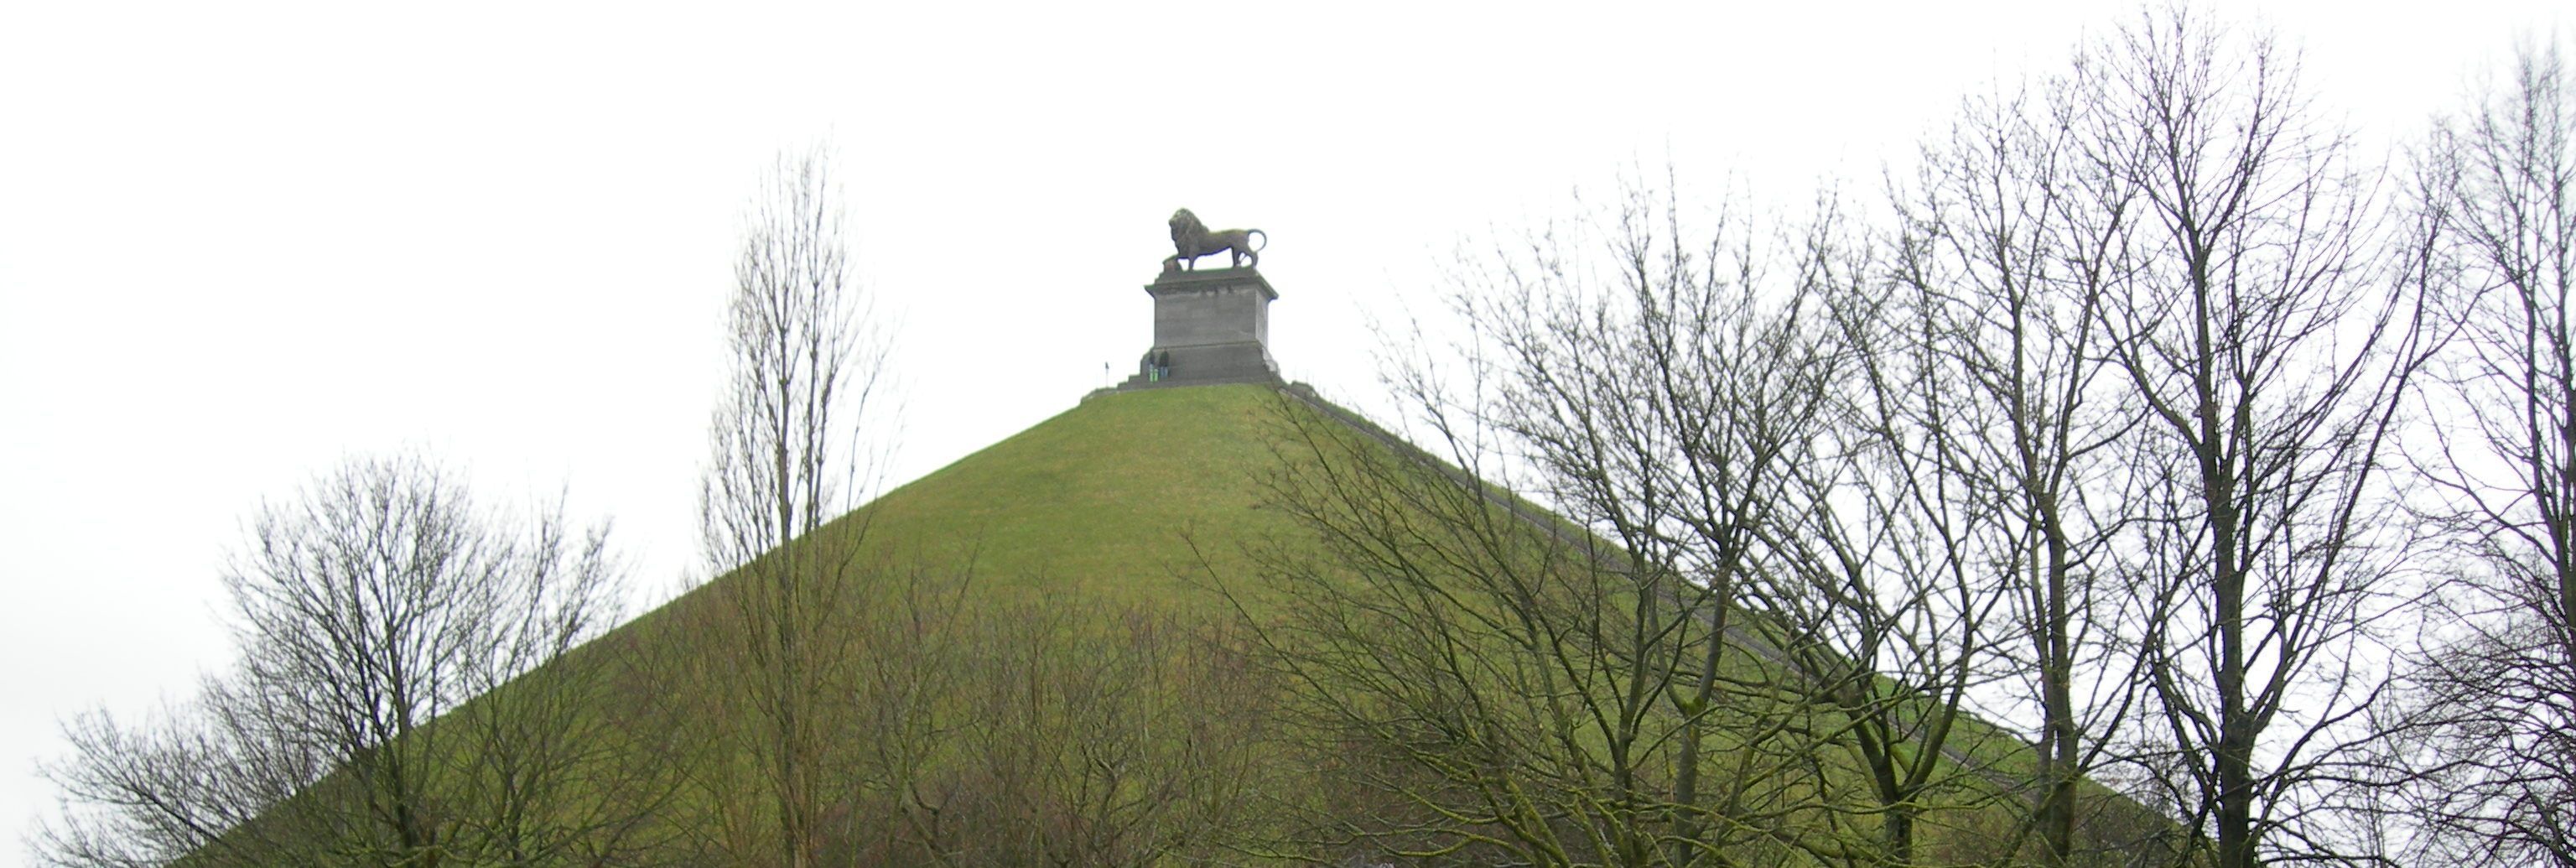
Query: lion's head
1186, 229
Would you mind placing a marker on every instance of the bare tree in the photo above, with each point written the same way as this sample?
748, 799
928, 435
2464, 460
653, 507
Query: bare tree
2270, 352
1512, 685
2005, 246
2494, 706
369, 612
566, 770
787, 458
186, 783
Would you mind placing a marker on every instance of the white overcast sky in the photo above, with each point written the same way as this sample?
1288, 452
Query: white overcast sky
241, 241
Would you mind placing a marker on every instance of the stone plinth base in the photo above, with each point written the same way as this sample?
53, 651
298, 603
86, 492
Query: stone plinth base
1210, 326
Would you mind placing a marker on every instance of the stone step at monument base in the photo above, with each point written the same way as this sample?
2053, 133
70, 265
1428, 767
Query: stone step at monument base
1214, 363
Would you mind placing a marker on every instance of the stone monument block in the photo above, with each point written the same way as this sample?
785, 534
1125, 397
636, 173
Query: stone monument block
1210, 326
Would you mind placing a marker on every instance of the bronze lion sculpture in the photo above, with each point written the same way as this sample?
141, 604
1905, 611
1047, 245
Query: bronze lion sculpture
1192, 239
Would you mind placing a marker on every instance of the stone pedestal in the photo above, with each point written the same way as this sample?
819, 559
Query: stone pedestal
1210, 326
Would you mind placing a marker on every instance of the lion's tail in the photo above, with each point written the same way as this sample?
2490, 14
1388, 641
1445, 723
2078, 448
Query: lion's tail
1265, 240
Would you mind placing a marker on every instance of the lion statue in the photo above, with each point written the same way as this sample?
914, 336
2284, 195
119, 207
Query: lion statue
1192, 239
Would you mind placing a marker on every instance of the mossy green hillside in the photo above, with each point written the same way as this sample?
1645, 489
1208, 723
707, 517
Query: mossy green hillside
1115, 499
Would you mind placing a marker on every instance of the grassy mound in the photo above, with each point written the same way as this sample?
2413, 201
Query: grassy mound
1065, 686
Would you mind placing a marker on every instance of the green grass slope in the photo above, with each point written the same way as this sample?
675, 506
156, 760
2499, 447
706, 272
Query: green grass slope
1105, 500
1109, 501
